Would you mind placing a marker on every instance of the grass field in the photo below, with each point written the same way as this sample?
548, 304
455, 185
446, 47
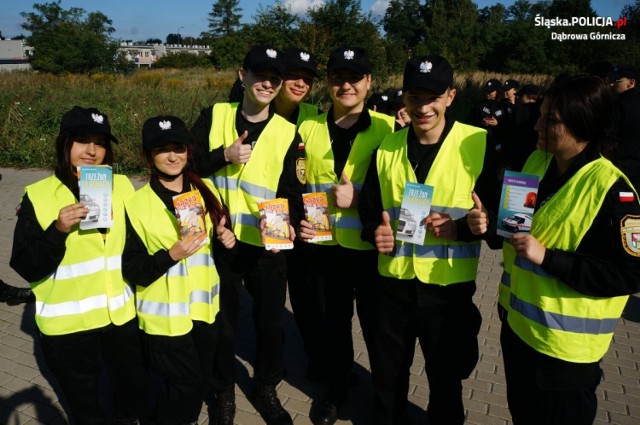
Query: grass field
32, 104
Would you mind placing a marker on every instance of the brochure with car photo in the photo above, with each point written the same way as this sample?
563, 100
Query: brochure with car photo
517, 203
95, 183
415, 207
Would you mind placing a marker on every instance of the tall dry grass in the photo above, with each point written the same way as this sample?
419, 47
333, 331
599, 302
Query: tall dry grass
32, 104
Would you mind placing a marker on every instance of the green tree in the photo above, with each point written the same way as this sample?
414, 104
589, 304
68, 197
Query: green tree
452, 31
224, 19
404, 25
275, 26
67, 41
629, 50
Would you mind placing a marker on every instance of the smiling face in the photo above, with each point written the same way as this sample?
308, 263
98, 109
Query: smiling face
348, 89
260, 87
296, 86
88, 149
426, 109
170, 159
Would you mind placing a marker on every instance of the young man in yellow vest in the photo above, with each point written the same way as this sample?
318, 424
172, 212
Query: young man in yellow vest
301, 69
425, 291
252, 154
338, 145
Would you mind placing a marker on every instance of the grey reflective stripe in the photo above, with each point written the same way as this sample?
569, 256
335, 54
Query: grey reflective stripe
257, 191
249, 220
454, 213
357, 186
200, 296
438, 251
505, 279
562, 322
530, 267
178, 269
349, 223
320, 187
222, 182
162, 309
201, 259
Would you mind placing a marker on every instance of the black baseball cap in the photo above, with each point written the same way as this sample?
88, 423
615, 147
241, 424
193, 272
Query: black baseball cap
511, 84
163, 129
529, 89
295, 58
86, 120
433, 73
260, 58
353, 58
625, 71
492, 85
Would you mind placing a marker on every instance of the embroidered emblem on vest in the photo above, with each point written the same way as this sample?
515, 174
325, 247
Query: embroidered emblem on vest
630, 230
301, 170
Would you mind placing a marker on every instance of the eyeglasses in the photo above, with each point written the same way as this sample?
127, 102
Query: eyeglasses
340, 79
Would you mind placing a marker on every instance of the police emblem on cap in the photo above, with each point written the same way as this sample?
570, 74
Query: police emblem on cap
385, 98
97, 118
272, 53
305, 56
630, 231
425, 67
165, 125
349, 55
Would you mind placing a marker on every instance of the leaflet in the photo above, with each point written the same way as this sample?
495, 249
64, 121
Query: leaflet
95, 184
517, 203
415, 207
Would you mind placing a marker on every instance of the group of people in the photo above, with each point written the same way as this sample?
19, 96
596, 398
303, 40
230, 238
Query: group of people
146, 299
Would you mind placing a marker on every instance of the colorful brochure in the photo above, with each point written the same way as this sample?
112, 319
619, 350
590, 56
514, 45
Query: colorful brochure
416, 204
275, 212
95, 183
190, 213
316, 211
517, 203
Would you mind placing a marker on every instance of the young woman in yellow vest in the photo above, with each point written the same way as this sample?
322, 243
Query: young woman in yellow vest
338, 145
424, 291
173, 265
253, 154
569, 280
84, 308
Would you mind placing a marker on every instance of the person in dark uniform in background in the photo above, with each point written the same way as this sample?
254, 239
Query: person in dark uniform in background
569, 280
425, 292
301, 69
624, 81
252, 154
338, 146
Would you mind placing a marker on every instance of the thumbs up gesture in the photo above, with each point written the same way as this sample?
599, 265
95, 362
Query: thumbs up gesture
344, 194
225, 235
384, 235
477, 218
238, 153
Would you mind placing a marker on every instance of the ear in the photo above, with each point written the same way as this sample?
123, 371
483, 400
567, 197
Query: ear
241, 74
451, 94
368, 80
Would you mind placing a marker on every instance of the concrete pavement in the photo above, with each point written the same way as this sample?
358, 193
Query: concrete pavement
30, 395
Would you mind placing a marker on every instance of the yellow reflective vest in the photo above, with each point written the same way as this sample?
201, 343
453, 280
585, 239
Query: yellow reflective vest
87, 290
188, 290
242, 186
544, 312
453, 175
536, 164
306, 110
321, 177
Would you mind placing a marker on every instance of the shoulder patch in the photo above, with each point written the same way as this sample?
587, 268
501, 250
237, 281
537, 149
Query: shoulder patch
630, 232
301, 170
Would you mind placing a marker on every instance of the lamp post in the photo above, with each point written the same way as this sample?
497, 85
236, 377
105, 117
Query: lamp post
179, 36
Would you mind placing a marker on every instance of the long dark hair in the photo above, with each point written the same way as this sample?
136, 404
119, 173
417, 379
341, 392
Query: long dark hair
586, 107
212, 205
65, 171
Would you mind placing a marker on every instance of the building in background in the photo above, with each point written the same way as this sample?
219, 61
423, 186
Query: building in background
14, 55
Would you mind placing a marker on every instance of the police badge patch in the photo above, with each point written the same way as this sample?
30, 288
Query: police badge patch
301, 170
630, 231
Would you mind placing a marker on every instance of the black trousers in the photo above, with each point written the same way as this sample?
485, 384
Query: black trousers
183, 362
447, 331
264, 275
545, 390
74, 359
323, 284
